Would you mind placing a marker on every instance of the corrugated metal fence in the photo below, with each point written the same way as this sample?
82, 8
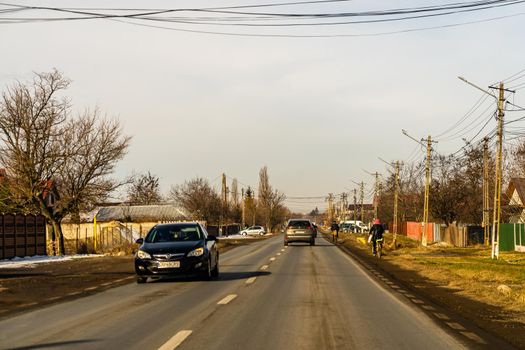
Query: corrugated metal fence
22, 235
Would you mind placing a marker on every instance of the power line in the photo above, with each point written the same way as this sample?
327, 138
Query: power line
127, 17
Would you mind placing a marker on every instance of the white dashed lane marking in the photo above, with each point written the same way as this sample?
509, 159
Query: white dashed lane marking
227, 299
264, 267
250, 280
272, 259
176, 340
474, 337
456, 326
441, 316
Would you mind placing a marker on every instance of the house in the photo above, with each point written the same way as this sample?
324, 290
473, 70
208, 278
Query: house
515, 199
120, 222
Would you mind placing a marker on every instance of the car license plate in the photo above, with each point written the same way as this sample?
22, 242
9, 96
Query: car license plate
169, 264
299, 231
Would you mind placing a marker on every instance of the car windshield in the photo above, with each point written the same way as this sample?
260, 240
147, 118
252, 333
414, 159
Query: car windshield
174, 233
299, 224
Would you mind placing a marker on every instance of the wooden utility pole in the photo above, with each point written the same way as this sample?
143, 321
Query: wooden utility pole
362, 198
343, 205
396, 166
376, 194
396, 198
243, 216
355, 205
497, 183
224, 202
330, 200
486, 200
427, 192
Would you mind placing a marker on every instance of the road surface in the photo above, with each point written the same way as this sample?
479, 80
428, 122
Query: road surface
267, 297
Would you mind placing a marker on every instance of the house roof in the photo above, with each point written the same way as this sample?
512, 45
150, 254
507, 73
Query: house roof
138, 213
365, 207
516, 184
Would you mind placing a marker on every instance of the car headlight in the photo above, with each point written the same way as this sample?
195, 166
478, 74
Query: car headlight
196, 252
143, 255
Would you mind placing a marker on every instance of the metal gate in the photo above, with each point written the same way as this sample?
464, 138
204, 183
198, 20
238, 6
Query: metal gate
22, 235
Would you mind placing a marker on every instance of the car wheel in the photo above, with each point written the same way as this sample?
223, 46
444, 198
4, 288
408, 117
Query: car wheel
207, 273
215, 271
141, 280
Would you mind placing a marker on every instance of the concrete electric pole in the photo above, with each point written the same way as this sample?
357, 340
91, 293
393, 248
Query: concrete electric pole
486, 200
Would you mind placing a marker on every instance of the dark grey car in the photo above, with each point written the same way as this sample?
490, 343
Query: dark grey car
299, 230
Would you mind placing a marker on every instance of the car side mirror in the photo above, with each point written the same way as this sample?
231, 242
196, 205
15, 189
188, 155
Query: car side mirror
211, 238
139, 241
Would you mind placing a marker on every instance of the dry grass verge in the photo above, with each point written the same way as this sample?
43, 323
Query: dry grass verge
491, 293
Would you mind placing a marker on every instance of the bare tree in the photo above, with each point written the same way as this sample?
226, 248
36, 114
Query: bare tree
55, 162
270, 201
198, 198
145, 189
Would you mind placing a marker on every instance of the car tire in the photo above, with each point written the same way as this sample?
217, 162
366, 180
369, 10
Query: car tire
141, 280
215, 271
207, 274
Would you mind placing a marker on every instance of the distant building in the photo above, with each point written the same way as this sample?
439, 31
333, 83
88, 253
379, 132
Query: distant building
515, 199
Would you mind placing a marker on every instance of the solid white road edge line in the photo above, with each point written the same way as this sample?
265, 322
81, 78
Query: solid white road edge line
227, 299
176, 340
250, 280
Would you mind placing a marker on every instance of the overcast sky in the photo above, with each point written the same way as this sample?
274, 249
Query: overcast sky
316, 111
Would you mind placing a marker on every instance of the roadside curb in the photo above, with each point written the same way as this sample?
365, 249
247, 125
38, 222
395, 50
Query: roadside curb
465, 330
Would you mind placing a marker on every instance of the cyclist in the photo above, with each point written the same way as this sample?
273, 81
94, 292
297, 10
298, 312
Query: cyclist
376, 232
335, 231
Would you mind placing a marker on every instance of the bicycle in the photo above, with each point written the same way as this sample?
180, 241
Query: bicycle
379, 248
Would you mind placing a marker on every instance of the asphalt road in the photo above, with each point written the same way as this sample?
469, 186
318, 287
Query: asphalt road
267, 297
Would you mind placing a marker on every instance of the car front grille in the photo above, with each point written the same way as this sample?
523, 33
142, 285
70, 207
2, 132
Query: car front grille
168, 256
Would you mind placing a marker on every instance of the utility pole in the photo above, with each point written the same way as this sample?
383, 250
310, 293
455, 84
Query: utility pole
396, 198
497, 185
376, 191
243, 216
486, 200
397, 166
224, 201
344, 195
427, 184
362, 198
330, 200
427, 192
499, 161
355, 205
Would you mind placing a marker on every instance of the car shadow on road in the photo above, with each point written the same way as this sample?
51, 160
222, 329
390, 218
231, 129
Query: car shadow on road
56, 344
223, 276
238, 275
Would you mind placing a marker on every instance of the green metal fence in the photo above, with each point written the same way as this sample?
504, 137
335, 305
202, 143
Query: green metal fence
512, 237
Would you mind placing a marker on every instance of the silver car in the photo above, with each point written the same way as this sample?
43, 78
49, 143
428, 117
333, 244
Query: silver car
254, 231
299, 230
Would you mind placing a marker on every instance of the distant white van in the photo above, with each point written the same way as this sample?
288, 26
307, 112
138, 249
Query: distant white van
355, 226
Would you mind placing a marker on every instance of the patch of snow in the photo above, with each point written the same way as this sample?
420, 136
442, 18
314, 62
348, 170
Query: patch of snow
32, 261
235, 237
